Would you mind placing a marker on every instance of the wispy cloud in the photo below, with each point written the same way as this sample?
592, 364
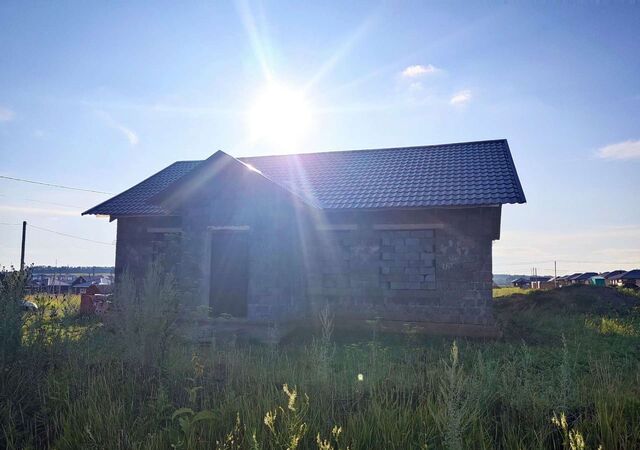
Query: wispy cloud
621, 150
40, 211
460, 98
131, 136
419, 70
6, 114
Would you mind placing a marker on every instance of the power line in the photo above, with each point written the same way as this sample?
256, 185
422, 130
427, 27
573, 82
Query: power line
40, 201
55, 185
70, 235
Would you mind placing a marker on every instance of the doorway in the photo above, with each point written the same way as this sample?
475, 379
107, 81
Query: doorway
229, 273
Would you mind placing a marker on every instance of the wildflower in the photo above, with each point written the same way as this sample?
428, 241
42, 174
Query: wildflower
198, 367
297, 437
292, 397
360, 377
323, 444
560, 422
270, 419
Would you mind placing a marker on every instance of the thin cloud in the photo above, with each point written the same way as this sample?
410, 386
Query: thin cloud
40, 211
621, 150
460, 98
131, 136
6, 114
419, 70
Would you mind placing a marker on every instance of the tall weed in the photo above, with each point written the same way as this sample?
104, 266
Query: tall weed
145, 315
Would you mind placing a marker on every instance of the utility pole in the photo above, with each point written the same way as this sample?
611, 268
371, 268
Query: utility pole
24, 237
555, 273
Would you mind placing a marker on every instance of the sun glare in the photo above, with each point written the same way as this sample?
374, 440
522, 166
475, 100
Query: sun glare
280, 116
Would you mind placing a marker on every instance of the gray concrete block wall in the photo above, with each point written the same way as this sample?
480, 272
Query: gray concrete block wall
431, 275
136, 247
408, 259
440, 274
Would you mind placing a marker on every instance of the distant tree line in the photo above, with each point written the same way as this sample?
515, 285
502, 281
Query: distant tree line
72, 269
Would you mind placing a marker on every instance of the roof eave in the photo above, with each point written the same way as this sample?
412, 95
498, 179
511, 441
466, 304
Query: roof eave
92, 211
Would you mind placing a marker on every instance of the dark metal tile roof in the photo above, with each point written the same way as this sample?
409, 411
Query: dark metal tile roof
585, 276
613, 273
133, 201
573, 276
463, 174
630, 275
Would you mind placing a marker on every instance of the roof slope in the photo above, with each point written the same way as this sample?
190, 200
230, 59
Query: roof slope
134, 201
630, 275
584, 276
613, 274
462, 174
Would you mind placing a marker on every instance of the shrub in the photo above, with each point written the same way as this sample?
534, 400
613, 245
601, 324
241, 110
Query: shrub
12, 287
145, 315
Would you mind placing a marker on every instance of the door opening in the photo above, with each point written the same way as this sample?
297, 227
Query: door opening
229, 278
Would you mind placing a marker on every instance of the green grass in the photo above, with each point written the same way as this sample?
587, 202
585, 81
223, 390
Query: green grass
507, 291
572, 354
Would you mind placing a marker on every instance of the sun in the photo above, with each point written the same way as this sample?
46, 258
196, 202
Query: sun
280, 116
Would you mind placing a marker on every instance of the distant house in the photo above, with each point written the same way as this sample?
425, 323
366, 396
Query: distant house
57, 286
583, 278
609, 277
78, 280
533, 281
540, 282
521, 282
561, 280
630, 278
400, 234
570, 278
37, 283
82, 282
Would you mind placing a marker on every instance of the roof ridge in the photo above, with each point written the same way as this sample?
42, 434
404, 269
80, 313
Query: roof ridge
409, 147
222, 154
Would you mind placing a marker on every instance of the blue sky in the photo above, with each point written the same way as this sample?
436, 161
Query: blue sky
101, 95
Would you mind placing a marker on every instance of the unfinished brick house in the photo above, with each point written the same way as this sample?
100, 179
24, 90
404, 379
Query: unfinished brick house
397, 234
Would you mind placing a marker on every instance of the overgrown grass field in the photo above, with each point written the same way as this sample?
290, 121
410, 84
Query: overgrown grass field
565, 374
